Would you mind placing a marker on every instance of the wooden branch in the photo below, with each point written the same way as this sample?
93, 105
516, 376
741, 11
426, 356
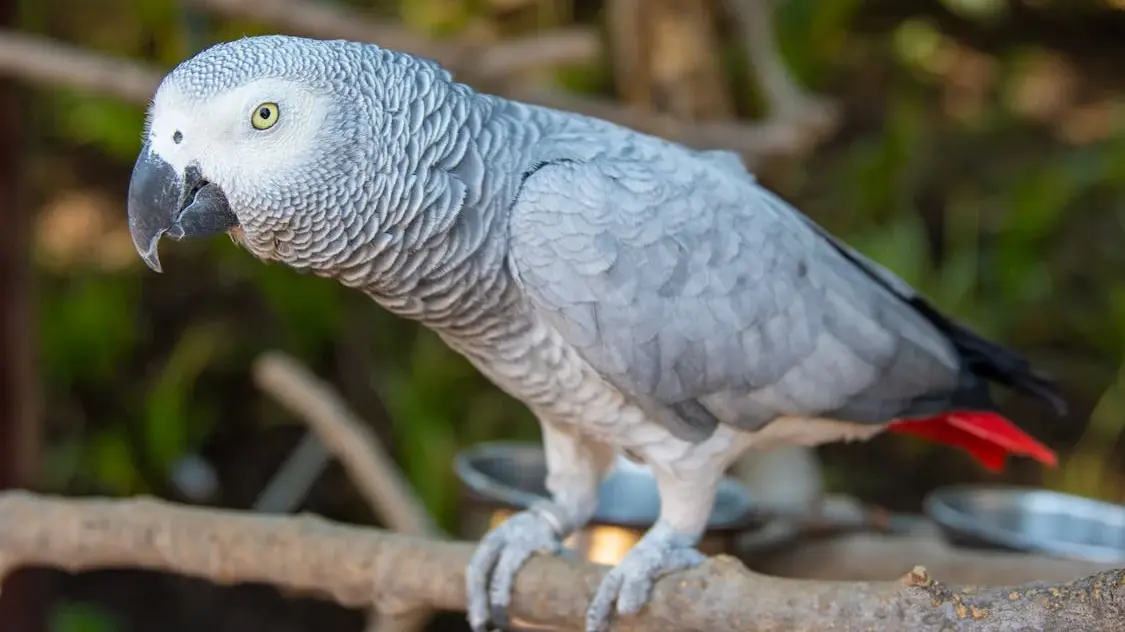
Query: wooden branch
785, 99
48, 63
371, 469
367, 463
293, 479
359, 567
494, 60
52, 64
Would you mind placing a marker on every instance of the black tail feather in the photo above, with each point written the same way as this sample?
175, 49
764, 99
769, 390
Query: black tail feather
983, 358
994, 362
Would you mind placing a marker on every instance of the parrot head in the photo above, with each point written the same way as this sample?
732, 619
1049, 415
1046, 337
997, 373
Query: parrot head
278, 141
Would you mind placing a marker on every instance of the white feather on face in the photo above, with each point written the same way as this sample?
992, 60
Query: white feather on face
249, 164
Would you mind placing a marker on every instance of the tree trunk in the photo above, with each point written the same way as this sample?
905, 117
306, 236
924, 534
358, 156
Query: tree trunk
22, 598
665, 57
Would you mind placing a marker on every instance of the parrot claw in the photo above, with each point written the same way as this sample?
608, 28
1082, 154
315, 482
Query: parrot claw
628, 586
498, 558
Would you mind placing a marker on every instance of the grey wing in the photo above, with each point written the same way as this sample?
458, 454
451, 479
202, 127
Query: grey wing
730, 161
695, 290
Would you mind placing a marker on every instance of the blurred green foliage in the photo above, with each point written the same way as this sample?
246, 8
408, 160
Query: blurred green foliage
996, 215
82, 617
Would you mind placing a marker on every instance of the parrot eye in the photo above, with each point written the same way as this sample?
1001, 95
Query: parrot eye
264, 116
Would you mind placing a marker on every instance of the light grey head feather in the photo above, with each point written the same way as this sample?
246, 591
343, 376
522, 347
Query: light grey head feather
363, 139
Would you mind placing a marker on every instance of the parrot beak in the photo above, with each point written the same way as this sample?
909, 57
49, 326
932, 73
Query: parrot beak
161, 202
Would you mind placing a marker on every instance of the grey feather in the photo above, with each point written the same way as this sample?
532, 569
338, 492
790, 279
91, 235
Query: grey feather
687, 284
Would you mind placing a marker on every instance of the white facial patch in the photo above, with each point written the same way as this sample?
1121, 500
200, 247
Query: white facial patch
217, 133
166, 119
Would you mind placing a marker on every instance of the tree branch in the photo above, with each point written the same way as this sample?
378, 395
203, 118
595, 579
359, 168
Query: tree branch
372, 470
368, 465
785, 99
52, 64
487, 60
359, 567
45, 62
48, 63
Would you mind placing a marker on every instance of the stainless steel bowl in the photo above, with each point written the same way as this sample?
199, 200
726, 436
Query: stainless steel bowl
502, 478
1030, 520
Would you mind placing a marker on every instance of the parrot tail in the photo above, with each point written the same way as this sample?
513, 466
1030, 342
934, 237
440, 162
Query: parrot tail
987, 436
972, 423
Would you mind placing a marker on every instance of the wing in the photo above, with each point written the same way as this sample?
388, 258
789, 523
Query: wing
690, 287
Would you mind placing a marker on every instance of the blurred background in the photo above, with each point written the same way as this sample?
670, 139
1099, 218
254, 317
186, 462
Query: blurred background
973, 146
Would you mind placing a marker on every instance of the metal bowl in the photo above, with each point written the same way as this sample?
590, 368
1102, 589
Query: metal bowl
502, 478
1029, 520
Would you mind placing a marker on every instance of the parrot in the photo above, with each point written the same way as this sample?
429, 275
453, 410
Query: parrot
639, 296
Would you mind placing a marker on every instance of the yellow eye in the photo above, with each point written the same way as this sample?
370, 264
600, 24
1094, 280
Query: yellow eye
264, 116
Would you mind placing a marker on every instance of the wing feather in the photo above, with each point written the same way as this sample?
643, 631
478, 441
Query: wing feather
683, 281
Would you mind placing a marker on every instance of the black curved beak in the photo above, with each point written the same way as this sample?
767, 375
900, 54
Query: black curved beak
163, 203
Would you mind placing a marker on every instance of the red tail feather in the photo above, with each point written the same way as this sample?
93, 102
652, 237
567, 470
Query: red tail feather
988, 437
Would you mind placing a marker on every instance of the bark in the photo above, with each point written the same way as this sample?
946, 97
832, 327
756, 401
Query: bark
363, 567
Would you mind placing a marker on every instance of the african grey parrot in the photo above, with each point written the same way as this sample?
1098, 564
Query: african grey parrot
640, 297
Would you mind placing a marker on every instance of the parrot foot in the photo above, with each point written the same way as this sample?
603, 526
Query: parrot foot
498, 558
628, 585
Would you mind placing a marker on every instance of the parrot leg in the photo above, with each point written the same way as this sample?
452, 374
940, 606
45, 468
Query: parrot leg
667, 547
575, 468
